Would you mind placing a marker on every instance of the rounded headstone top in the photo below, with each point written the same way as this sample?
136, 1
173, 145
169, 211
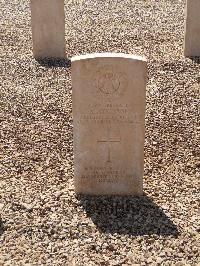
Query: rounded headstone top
108, 55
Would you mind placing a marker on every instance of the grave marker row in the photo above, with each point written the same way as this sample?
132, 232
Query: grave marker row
108, 103
48, 28
108, 108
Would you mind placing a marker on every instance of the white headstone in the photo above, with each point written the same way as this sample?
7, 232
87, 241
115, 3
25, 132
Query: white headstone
48, 28
192, 29
109, 123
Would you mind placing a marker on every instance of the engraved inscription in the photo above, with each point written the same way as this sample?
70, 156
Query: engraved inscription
109, 119
109, 141
105, 174
109, 82
109, 113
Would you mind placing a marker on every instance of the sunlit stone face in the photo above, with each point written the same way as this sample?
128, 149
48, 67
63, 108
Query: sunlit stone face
108, 116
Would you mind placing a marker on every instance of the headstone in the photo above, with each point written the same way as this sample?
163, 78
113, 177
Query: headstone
48, 28
192, 29
109, 123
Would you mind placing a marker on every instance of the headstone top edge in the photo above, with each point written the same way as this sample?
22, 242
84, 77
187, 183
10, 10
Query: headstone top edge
108, 55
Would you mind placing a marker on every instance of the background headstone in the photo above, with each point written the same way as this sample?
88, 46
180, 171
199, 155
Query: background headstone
109, 123
192, 29
48, 28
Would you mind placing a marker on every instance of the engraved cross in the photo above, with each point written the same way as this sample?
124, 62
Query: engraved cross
109, 141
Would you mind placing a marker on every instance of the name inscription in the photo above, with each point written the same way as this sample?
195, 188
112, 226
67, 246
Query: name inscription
109, 113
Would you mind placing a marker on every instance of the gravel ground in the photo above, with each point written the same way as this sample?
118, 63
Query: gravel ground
42, 221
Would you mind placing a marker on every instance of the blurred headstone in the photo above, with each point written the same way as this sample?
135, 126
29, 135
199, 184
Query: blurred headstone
192, 29
48, 28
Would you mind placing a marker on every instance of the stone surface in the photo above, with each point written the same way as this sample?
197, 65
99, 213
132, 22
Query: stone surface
48, 28
192, 29
109, 123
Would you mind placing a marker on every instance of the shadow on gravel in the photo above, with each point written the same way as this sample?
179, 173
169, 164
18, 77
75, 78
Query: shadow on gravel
2, 229
136, 216
195, 59
50, 63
